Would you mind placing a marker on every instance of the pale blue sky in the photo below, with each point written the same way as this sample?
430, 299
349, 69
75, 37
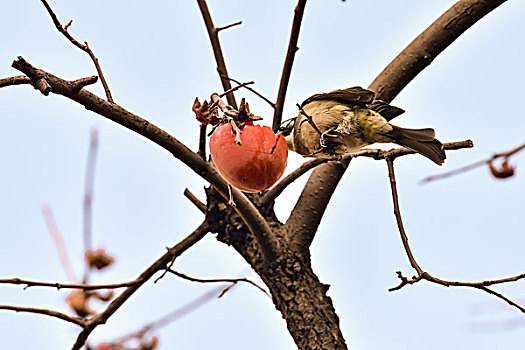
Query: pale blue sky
157, 59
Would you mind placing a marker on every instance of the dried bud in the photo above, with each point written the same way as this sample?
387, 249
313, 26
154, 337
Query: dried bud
204, 113
504, 172
78, 300
98, 258
151, 344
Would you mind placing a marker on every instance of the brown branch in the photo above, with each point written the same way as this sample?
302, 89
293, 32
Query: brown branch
88, 197
84, 47
474, 165
228, 26
59, 286
59, 242
421, 274
288, 63
388, 84
201, 206
158, 265
244, 207
252, 90
213, 33
397, 213
235, 88
46, 312
202, 142
16, 80
276, 190
217, 280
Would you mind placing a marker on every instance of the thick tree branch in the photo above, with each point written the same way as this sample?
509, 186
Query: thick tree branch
388, 84
46, 312
288, 63
250, 215
158, 265
213, 33
84, 47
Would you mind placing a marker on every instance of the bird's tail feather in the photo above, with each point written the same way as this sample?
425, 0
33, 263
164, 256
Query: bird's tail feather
422, 141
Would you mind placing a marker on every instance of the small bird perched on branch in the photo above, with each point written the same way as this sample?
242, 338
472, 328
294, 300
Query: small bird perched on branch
342, 121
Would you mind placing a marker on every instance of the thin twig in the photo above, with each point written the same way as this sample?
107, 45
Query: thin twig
213, 33
218, 29
397, 213
16, 80
217, 280
88, 197
421, 274
59, 242
276, 190
46, 312
288, 63
474, 165
235, 88
158, 265
201, 206
252, 90
59, 286
84, 47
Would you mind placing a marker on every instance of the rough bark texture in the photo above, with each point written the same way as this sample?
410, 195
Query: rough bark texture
296, 291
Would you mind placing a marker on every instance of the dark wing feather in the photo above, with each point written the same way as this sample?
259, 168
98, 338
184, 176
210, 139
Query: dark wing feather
387, 111
351, 96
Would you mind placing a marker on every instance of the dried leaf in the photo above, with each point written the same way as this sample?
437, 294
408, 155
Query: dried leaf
505, 171
98, 258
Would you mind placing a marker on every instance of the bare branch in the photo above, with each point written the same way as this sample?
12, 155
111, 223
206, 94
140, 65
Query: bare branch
235, 88
46, 312
276, 190
252, 90
59, 286
228, 26
288, 63
202, 142
16, 80
474, 165
213, 33
158, 265
201, 206
397, 213
84, 47
250, 215
421, 274
83, 82
217, 280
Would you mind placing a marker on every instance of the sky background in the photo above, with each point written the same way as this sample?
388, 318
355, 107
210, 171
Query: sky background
157, 58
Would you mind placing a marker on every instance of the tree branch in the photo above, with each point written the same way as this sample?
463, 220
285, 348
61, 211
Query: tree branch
84, 47
387, 85
16, 80
201, 206
250, 215
46, 312
288, 63
158, 265
213, 33
218, 280
59, 286
252, 90
421, 274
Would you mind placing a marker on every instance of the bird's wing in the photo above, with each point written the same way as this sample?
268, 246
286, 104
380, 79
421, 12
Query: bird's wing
351, 96
387, 111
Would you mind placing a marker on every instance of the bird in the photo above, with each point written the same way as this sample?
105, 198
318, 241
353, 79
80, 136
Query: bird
343, 121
